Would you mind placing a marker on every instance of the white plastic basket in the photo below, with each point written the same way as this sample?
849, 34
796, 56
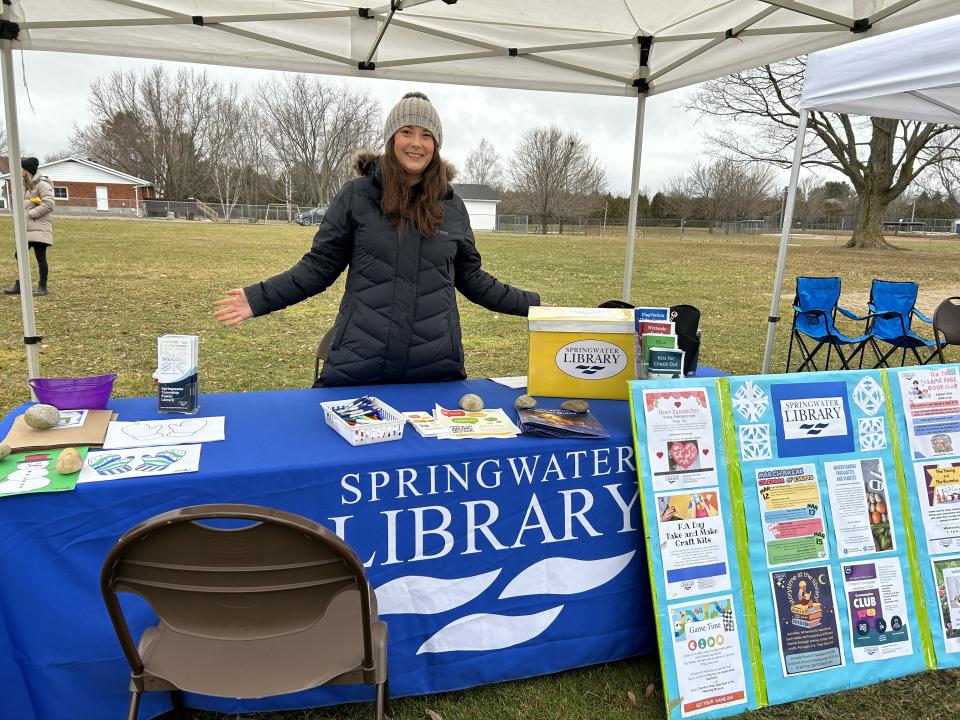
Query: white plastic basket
390, 428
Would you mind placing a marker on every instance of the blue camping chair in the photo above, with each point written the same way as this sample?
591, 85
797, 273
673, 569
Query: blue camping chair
814, 313
892, 310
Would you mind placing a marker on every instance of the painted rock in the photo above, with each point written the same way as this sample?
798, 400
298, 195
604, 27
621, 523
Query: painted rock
471, 402
42, 417
4, 450
577, 406
524, 402
69, 462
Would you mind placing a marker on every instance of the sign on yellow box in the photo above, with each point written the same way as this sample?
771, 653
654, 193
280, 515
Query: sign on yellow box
581, 352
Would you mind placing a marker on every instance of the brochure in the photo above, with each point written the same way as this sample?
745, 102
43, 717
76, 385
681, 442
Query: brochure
560, 424
459, 424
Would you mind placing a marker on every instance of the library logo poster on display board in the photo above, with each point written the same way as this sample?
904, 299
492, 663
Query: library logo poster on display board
928, 422
823, 514
687, 517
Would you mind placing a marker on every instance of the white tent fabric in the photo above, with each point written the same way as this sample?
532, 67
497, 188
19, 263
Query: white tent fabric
911, 74
610, 47
920, 78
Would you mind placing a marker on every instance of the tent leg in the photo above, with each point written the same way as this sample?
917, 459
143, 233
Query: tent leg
784, 240
16, 206
634, 197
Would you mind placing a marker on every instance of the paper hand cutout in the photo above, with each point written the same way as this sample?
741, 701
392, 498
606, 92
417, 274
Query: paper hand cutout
161, 461
144, 431
186, 428
110, 464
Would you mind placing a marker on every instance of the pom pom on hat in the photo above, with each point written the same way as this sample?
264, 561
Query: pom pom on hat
414, 108
30, 164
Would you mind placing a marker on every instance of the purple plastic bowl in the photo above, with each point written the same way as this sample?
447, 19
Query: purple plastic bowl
89, 393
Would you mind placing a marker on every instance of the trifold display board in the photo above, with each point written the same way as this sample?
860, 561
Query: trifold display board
803, 531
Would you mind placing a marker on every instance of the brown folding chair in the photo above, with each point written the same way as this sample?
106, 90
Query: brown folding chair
946, 323
252, 602
323, 349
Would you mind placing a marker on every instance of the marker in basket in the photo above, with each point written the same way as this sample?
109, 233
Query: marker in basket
361, 411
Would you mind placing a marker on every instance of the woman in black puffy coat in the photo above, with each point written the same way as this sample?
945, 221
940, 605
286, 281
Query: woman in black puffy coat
404, 237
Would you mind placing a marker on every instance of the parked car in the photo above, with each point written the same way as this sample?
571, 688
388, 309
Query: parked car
310, 217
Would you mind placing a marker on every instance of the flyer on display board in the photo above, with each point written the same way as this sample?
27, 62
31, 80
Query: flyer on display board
693, 544
807, 625
931, 406
792, 514
707, 655
680, 438
860, 506
938, 488
878, 609
946, 573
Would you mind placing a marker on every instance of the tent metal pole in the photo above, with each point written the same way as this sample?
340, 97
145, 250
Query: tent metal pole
30, 338
784, 239
634, 196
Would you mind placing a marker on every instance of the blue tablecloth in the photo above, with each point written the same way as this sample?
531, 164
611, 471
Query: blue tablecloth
507, 558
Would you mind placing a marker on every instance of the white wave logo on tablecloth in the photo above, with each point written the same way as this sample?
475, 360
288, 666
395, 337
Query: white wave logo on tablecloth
422, 595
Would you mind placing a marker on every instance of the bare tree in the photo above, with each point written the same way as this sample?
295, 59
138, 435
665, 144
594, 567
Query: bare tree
313, 127
552, 166
483, 165
721, 189
880, 156
60, 154
155, 126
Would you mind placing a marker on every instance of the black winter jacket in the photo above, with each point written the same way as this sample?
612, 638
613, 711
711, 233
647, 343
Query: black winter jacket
398, 320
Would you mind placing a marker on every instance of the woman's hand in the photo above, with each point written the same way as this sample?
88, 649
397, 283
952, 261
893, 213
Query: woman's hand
233, 309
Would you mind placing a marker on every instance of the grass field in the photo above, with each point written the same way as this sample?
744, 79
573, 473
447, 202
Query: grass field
115, 285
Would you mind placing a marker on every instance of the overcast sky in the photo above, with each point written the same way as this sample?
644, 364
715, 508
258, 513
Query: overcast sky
58, 86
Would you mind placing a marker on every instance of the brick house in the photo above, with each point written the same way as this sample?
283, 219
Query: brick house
85, 187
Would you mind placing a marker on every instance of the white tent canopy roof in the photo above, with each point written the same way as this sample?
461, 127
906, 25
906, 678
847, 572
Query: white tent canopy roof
566, 45
911, 74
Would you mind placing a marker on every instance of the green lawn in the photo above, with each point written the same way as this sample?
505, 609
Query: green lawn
115, 285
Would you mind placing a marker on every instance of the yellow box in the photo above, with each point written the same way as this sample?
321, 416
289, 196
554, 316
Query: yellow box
581, 352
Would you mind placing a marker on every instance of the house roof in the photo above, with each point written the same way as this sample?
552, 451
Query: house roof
475, 191
89, 163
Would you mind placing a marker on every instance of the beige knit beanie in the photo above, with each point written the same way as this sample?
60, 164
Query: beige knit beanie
414, 108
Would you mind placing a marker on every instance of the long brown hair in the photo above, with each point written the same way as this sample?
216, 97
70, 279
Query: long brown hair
422, 203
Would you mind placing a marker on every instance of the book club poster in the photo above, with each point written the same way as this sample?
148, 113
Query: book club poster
930, 442
687, 518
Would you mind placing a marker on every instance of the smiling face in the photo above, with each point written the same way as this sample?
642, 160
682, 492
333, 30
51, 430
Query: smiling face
413, 147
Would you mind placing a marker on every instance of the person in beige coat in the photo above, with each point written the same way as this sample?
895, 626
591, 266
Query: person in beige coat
38, 204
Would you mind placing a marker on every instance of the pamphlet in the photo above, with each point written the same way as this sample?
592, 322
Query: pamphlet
425, 423
647, 344
664, 363
460, 424
680, 438
792, 514
560, 424
862, 518
706, 655
806, 616
692, 543
878, 609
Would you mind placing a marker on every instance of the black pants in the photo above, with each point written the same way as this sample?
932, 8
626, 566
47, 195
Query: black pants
40, 250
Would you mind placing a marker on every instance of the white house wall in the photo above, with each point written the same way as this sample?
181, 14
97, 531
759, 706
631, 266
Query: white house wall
483, 214
79, 173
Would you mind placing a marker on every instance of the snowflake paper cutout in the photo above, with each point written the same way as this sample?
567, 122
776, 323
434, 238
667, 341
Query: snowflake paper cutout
755, 442
750, 401
868, 396
873, 433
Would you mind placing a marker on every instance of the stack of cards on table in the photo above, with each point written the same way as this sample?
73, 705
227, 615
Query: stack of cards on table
658, 354
459, 424
560, 424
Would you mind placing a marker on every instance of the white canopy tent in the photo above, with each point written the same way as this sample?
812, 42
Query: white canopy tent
911, 74
633, 48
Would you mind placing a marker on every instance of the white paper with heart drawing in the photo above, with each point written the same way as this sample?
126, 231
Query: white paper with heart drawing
680, 438
153, 433
130, 463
